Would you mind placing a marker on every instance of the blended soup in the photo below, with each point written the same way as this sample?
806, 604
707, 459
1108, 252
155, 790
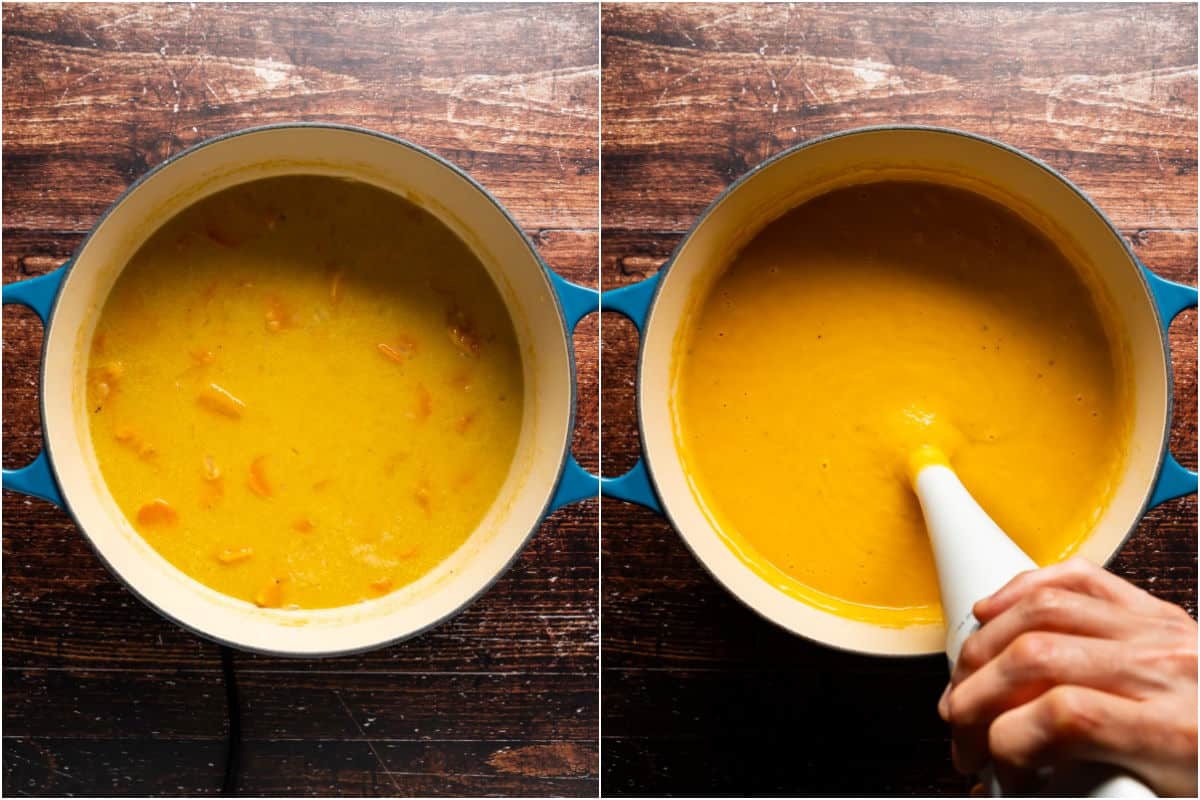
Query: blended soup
862, 325
304, 392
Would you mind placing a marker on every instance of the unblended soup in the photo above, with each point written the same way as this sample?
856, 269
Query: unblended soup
304, 392
862, 325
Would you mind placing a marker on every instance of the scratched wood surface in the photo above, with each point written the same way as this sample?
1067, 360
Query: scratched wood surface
700, 696
101, 696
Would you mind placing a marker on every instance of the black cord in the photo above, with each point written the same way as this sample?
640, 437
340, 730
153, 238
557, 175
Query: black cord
233, 714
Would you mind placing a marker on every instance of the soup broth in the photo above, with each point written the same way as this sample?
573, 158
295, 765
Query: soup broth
304, 392
868, 322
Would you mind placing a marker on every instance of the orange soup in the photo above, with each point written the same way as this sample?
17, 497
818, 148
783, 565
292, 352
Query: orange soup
863, 324
304, 392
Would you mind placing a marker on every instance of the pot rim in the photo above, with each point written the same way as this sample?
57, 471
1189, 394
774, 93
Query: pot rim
869, 129
545, 271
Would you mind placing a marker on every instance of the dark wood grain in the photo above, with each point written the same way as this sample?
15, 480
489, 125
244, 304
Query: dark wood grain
701, 696
352, 768
101, 696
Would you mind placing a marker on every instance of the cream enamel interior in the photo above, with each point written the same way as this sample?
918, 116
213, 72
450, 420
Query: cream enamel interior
960, 160
522, 283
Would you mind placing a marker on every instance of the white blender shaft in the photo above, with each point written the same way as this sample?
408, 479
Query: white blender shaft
974, 559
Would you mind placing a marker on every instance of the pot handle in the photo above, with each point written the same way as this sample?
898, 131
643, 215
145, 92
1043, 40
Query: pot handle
36, 479
634, 302
576, 483
1174, 480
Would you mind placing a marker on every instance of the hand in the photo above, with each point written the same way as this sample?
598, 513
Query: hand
1074, 664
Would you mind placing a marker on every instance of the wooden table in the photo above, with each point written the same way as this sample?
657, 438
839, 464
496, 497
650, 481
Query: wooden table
700, 695
101, 696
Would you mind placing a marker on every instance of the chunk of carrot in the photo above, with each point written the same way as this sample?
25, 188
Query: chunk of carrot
221, 237
382, 585
157, 512
406, 345
421, 495
464, 423
203, 357
234, 555
104, 379
271, 595
220, 401
391, 353
278, 317
335, 287
103, 390
132, 439
408, 551
303, 525
258, 478
424, 403
462, 333
112, 371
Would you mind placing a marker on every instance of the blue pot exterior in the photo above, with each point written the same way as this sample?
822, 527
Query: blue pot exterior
1171, 298
39, 294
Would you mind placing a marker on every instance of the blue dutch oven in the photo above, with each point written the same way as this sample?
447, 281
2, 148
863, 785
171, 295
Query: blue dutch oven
1145, 304
544, 308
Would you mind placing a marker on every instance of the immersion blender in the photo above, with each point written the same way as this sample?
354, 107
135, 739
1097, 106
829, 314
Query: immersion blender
974, 559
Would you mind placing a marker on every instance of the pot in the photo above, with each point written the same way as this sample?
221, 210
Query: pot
1144, 306
544, 309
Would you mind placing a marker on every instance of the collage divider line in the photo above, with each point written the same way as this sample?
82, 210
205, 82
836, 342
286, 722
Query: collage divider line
599, 399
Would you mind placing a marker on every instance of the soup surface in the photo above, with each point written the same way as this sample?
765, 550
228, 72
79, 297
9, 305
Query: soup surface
304, 392
862, 325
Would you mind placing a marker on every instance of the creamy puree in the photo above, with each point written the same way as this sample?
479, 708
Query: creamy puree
856, 328
304, 392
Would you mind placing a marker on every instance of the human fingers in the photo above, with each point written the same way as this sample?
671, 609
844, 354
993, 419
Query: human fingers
1050, 609
1075, 574
1074, 723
